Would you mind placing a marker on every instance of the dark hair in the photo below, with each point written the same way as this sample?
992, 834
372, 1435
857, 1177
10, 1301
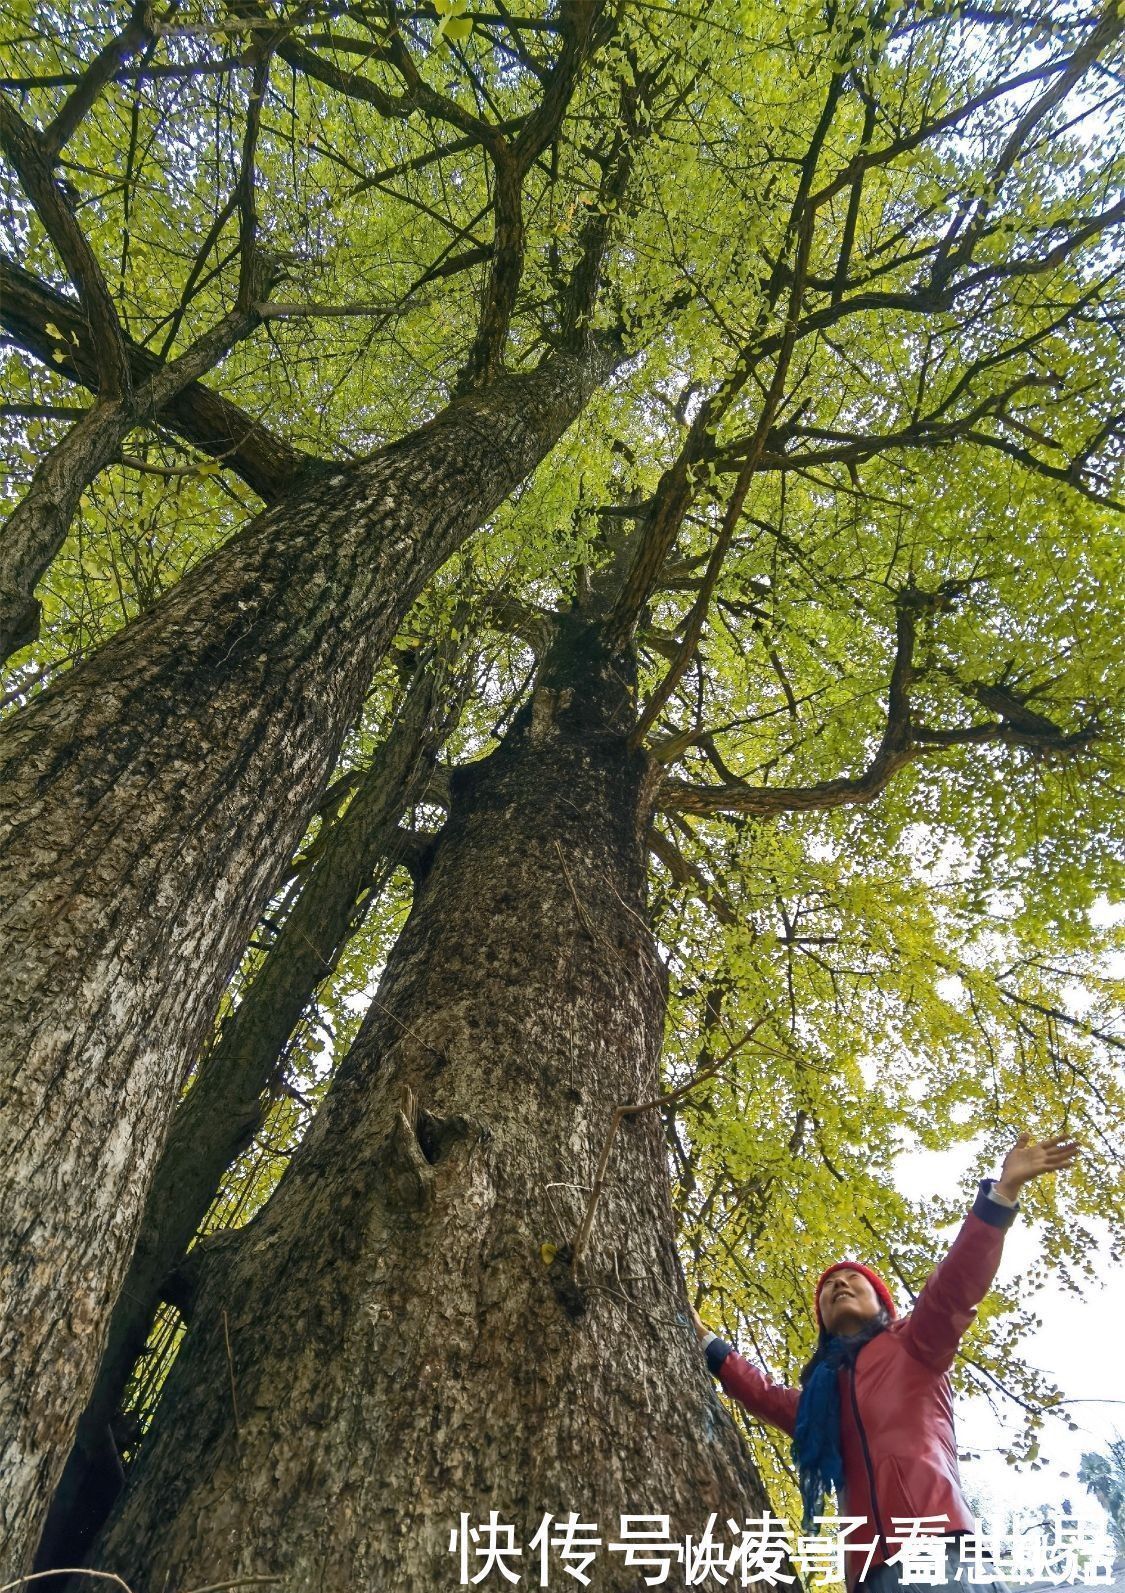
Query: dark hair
879, 1321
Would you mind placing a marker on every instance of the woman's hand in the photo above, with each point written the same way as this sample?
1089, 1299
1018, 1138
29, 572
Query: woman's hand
1027, 1160
701, 1328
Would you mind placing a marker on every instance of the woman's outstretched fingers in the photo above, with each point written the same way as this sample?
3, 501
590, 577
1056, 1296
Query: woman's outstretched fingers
1029, 1159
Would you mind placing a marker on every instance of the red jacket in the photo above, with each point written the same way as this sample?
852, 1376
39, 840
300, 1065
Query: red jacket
896, 1405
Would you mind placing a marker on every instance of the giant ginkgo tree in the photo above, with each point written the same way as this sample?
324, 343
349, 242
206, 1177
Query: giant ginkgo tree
798, 746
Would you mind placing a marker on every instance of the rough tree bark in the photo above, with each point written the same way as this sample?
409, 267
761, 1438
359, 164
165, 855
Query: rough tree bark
231, 1093
147, 805
388, 1344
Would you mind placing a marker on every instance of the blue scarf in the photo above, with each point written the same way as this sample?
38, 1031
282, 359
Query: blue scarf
816, 1436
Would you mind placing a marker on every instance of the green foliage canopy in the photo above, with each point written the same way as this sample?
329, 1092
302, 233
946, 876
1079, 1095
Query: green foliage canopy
866, 258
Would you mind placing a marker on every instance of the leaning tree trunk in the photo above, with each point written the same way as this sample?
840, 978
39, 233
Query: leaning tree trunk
231, 1093
392, 1341
147, 806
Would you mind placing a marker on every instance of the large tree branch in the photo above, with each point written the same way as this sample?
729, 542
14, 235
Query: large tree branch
868, 159
697, 617
37, 527
689, 875
941, 427
125, 74
969, 224
312, 65
1070, 474
102, 70
421, 95
249, 276
635, 118
678, 485
902, 741
511, 163
23, 146
211, 423
931, 299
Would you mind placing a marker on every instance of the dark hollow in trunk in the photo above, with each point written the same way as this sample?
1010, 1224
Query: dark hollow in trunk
388, 1344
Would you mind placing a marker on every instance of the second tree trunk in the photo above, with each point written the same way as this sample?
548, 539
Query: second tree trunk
396, 1339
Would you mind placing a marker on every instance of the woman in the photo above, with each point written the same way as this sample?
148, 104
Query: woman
874, 1414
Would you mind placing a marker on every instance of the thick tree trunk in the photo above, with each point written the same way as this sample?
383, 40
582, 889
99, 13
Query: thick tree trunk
147, 806
388, 1344
230, 1096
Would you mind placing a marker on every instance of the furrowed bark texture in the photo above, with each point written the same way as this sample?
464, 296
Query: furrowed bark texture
228, 1100
147, 806
400, 1349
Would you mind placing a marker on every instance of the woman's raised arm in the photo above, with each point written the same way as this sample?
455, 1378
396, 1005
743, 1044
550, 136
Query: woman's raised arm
769, 1401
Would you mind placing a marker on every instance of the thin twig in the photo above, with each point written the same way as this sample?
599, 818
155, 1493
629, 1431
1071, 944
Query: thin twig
583, 915
242, 1581
599, 1180
66, 1570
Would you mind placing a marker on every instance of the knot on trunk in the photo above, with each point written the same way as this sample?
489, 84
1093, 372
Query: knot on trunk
438, 1136
19, 621
418, 1142
183, 1285
546, 706
567, 1290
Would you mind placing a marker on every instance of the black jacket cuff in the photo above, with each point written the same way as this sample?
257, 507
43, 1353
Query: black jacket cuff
716, 1353
991, 1211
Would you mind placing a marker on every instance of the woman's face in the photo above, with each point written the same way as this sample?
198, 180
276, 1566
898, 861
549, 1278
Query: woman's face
847, 1301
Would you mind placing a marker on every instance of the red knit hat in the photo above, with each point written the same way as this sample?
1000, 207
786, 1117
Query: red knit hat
873, 1279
